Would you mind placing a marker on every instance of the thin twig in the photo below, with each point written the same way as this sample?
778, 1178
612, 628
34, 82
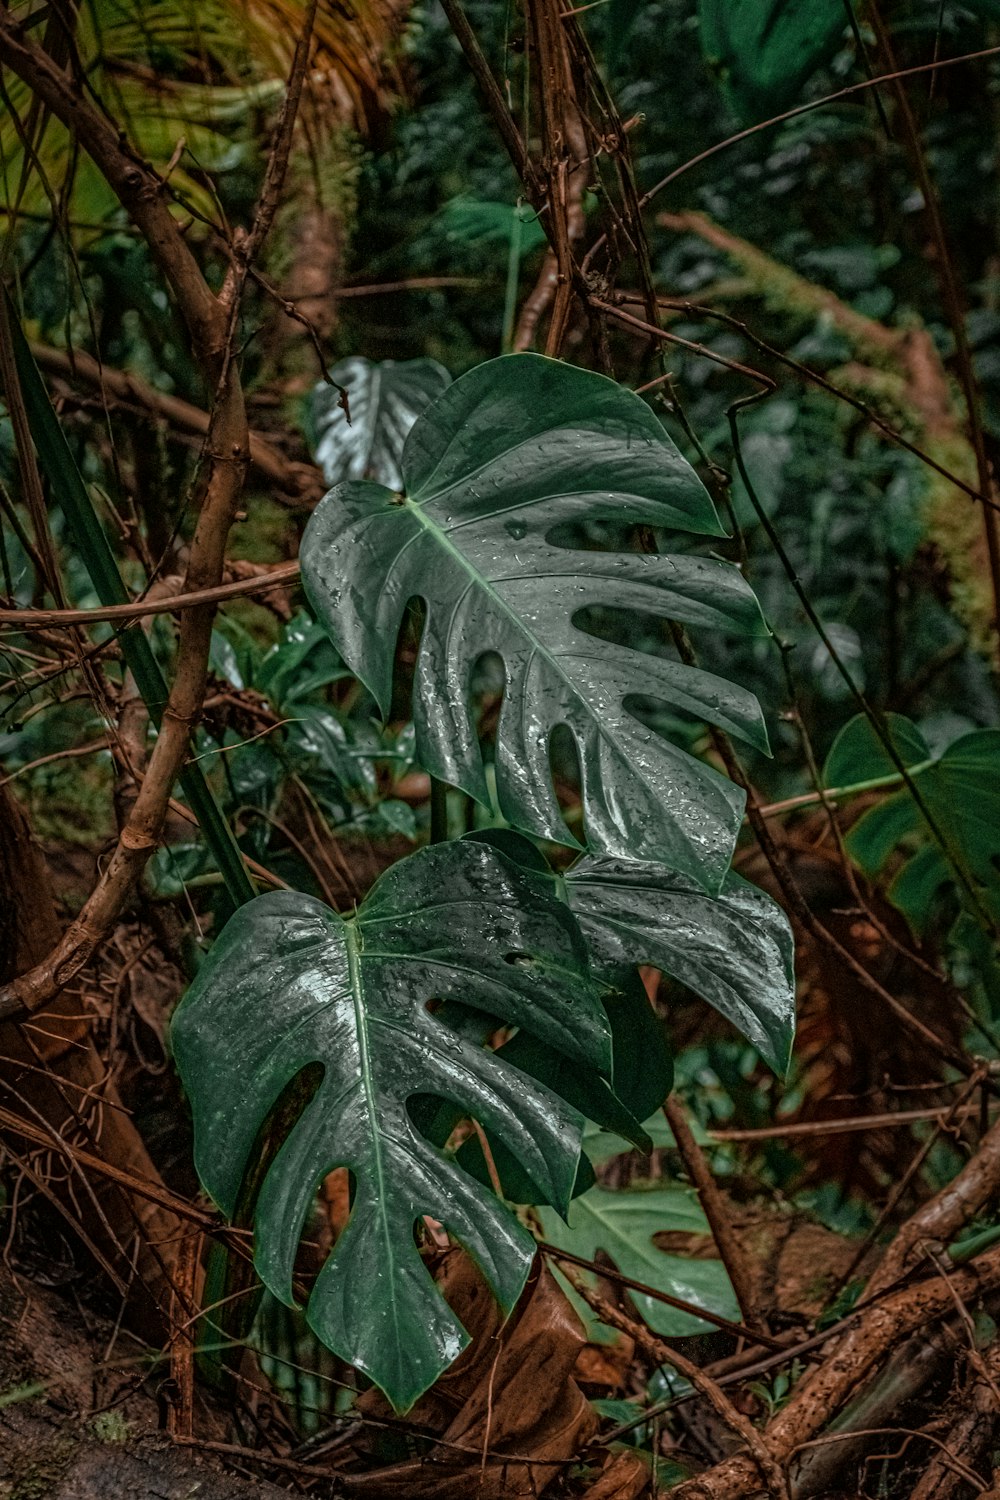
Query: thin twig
282, 573
713, 1204
659, 1353
610, 1273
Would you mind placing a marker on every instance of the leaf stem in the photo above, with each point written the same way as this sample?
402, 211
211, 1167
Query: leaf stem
839, 793
439, 811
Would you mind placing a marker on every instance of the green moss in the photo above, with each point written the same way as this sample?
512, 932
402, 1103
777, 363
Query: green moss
263, 536
111, 1427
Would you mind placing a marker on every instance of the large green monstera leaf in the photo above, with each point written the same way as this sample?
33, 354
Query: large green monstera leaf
511, 455
735, 949
290, 984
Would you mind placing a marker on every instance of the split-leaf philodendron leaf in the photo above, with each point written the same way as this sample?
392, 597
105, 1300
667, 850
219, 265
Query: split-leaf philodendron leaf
512, 452
735, 949
289, 985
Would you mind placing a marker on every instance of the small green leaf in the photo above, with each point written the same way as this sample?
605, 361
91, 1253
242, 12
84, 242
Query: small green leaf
173, 866
301, 662
858, 755
514, 451
475, 221
960, 789
224, 661
290, 984
320, 735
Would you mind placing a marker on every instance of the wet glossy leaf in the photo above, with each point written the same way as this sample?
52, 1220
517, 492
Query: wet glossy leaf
291, 984
763, 51
734, 949
319, 736
642, 1077
301, 662
385, 400
224, 661
391, 816
961, 791
516, 449
622, 1224
173, 866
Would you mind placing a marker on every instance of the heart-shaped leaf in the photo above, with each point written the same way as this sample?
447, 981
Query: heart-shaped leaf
290, 984
385, 399
511, 453
960, 788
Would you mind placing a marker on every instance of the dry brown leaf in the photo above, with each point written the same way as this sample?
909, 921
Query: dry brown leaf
684, 1243
512, 1392
605, 1365
624, 1478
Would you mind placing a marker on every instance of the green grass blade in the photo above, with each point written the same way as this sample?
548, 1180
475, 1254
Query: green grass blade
88, 536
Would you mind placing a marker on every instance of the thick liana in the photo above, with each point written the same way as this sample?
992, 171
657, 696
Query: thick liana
494, 471
290, 984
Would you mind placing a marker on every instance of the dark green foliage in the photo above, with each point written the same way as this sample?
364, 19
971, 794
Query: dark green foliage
553, 529
494, 468
733, 949
960, 789
763, 51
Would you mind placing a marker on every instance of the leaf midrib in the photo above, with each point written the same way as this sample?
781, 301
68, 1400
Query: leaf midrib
353, 945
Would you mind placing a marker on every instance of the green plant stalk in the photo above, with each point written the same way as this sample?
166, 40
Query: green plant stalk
88, 536
513, 281
838, 793
439, 811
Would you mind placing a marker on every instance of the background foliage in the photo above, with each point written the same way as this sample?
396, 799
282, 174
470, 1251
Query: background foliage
804, 249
